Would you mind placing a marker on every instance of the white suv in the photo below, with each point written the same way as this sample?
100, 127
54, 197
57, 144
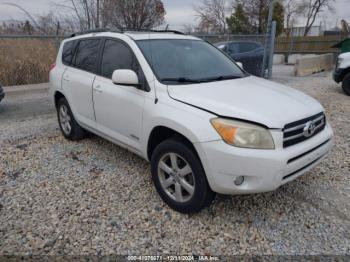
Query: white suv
204, 124
342, 72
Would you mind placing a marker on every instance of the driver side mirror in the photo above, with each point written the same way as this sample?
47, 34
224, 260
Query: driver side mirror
125, 77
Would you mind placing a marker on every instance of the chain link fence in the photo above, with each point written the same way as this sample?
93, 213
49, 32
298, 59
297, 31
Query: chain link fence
27, 59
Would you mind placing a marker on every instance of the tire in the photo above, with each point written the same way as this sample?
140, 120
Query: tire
346, 84
68, 125
189, 197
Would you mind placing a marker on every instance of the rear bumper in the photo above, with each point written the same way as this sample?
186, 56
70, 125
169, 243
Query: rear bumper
263, 170
338, 75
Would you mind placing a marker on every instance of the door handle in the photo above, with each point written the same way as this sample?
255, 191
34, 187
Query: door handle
98, 89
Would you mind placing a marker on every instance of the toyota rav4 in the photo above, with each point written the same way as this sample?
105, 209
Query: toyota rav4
205, 125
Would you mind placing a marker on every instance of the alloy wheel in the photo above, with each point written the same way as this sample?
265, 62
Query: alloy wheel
65, 119
176, 177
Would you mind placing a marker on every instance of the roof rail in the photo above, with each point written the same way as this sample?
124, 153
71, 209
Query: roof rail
152, 31
97, 30
168, 31
123, 30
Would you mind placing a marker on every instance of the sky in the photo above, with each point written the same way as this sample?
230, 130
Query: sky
179, 12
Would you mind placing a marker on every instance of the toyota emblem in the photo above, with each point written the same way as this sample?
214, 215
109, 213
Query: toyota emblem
309, 129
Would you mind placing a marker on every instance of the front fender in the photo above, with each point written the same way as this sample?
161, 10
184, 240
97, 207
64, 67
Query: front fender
191, 122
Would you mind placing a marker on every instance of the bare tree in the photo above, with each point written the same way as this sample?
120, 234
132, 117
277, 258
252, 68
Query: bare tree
30, 17
291, 8
84, 13
212, 15
311, 9
137, 14
188, 28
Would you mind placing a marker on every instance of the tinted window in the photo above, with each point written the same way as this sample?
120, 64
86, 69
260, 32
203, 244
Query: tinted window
234, 48
247, 47
68, 52
116, 56
87, 55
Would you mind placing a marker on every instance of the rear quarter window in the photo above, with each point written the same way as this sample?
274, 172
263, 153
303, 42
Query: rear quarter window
68, 52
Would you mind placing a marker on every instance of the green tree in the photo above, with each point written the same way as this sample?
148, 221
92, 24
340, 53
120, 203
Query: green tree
278, 16
250, 16
28, 28
238, 22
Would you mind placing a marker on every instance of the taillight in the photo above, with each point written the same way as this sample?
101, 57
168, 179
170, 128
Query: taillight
52, 66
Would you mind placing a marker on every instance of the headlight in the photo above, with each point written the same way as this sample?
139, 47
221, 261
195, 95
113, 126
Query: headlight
340, 60
242, 134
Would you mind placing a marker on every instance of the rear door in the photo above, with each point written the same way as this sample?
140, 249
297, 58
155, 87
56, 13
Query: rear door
119, 108
78, 79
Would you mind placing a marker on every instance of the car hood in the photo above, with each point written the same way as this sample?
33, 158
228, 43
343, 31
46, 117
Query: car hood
250, 98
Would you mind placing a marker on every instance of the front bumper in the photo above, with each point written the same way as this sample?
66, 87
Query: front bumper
338, 74
2, 93
263, 170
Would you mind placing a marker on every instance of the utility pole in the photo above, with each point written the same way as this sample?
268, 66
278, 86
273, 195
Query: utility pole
97, 13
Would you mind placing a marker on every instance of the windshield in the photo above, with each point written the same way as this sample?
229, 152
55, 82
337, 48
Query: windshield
188, 61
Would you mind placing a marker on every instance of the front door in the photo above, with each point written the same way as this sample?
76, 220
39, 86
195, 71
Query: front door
118, 108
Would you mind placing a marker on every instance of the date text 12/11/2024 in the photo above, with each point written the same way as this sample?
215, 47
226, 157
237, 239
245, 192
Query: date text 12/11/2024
173, 258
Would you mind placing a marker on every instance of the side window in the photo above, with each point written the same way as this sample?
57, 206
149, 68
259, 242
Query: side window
116, 56
87, 55
247, 47
234, 48
68, 52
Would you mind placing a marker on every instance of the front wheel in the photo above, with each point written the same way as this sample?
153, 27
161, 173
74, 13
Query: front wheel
346, 84
179, 177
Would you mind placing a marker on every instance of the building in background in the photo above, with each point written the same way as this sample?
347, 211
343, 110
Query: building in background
300, 30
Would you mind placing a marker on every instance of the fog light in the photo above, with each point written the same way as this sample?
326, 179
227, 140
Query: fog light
239, 180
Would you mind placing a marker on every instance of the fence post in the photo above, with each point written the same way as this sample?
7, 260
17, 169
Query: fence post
267, 39
57, 41
291, 45
272, 48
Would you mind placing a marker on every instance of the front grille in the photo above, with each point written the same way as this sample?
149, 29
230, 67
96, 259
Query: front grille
302, 130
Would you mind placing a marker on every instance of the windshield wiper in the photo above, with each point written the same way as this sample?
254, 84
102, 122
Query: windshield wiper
221, 78
202, 80
181, 80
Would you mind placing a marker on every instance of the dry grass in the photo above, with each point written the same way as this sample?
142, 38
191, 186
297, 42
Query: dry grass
25, 61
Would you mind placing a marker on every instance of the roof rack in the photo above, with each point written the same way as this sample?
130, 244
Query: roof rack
123, 30
97, 30
152, 31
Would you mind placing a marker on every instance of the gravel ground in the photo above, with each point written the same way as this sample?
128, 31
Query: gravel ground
92, 197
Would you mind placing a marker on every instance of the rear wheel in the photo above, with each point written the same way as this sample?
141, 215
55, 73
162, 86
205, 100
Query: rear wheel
179, 177
68, 125
346, 84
